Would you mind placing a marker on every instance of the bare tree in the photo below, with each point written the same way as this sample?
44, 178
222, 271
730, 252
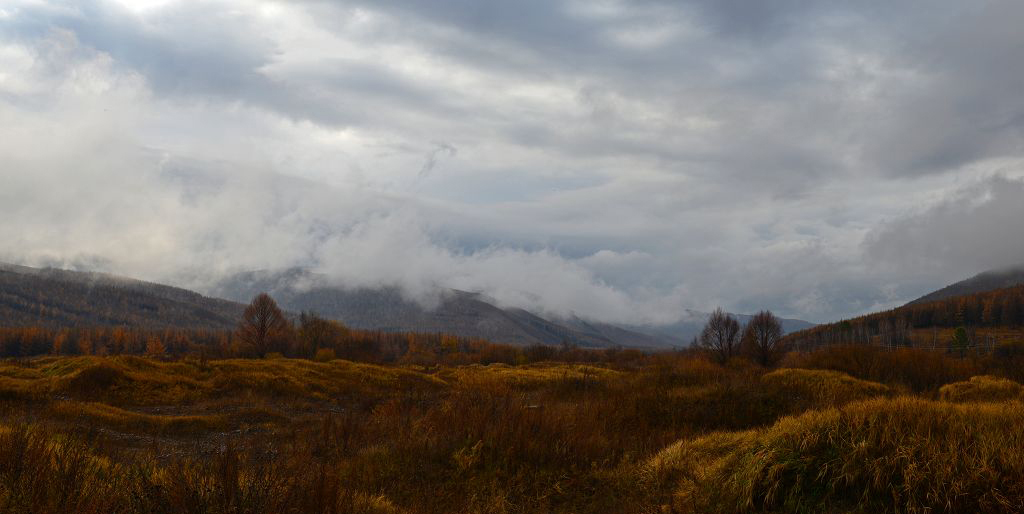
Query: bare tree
762, 339
720, 336
263, 326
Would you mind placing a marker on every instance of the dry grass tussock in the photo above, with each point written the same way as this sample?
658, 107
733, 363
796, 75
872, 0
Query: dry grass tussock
881, 455
530, 377
94, 414
982, 389
918, 370
818, 388
128, 380
44, 473
289, 435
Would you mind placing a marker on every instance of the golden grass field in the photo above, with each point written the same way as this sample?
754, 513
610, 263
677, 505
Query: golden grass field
672, 433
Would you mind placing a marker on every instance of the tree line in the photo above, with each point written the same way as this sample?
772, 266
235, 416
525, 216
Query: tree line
998, 308
265, 331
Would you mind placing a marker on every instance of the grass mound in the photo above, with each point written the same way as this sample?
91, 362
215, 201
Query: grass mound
100, 376
982, 389
530, 377
820, 388
98, 414
135, 381
880, 455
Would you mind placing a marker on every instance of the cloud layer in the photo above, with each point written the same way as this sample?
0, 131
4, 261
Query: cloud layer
618, 160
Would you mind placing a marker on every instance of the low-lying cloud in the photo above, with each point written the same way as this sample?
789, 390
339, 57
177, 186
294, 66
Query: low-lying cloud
614, 160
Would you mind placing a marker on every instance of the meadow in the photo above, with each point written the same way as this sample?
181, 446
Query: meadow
843, 429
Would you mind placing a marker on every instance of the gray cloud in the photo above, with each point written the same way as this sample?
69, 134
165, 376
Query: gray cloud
439, 149
622, 160
976, 228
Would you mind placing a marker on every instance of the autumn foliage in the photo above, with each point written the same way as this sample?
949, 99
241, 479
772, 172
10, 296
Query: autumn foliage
898, 327
335, 420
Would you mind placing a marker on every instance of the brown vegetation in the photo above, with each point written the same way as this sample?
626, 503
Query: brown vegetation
882, 455
982, 389
721, 336
143, 434
336, 420
762, 339
919, 324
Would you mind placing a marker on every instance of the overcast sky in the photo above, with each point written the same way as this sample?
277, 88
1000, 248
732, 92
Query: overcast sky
617, 160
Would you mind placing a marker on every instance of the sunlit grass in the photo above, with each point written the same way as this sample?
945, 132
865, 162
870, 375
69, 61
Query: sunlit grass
881, 455
680, 432
982, 389
821, 387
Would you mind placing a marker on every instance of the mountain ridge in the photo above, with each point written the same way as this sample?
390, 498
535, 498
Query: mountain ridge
57, 298
461, 312
980, 283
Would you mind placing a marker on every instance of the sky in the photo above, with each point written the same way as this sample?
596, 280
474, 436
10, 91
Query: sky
621, 161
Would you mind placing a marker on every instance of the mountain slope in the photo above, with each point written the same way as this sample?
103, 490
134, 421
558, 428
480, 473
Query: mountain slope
682, 332
980, 283
987, 312
55, 298
455, 312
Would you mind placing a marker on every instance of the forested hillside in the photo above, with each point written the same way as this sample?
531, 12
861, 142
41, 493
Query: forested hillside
980, 283
927, 321
460, 313
53, 298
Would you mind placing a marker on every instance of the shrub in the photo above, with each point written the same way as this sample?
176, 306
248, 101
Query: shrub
324, 355
982, 389
690, 371
1008, 359
95, 378
919, 370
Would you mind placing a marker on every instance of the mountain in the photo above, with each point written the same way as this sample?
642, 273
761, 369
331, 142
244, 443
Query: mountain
54, 298
980, 283
990, 303
457, 312
682, 332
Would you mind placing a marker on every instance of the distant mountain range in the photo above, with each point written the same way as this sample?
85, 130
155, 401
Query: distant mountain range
458, 312
980, 283
689, 326
455, 312
54, 298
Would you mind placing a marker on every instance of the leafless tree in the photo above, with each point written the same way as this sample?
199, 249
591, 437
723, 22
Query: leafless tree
263, 327
762, 339
720, 336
